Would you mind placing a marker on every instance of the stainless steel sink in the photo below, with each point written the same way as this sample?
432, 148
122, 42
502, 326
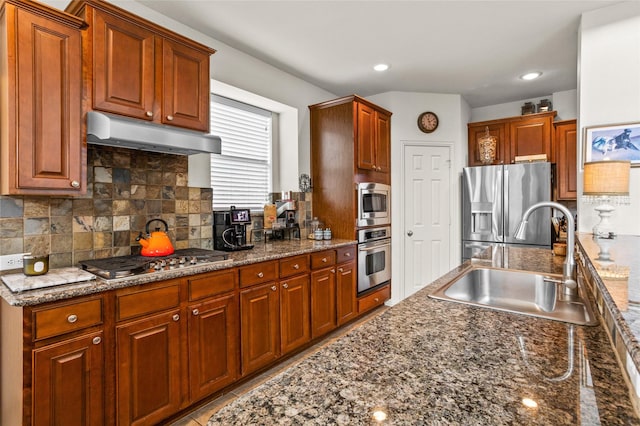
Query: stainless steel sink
519, 292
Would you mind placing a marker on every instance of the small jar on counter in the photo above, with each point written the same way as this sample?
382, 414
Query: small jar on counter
35, 265
327, 234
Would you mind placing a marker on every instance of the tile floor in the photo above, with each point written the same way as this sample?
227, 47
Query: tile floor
200, 416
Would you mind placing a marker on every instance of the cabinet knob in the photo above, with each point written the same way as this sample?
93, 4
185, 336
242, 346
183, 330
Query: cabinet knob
333, 271
176, 317
347, 254
376, 300
296, 266
324, 260
75, 184
274, 288
409, 233
379, 168
149, 114
195, 312
340, 270
72, 318
285, 285
169, 117
260, 275
96, 340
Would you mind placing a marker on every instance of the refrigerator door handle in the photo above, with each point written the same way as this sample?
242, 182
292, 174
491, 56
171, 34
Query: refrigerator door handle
506, 203
497, 213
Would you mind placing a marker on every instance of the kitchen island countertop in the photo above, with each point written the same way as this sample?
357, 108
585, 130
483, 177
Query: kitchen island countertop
426, 361
262, 252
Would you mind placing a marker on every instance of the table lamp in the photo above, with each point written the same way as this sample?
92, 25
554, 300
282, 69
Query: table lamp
606, 184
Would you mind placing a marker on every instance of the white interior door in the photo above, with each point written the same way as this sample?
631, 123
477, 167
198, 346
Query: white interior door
427, 214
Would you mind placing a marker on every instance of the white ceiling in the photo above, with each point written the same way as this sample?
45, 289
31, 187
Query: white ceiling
474, 48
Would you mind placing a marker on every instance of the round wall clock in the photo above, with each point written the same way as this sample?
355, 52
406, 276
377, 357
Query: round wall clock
428, 122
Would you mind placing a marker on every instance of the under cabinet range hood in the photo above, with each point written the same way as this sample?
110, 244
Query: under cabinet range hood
113, 130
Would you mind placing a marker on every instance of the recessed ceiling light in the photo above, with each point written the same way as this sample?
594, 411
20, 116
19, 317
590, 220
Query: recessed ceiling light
381, 67
531, 75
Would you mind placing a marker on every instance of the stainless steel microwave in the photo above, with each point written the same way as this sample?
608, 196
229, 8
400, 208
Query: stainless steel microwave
374, 204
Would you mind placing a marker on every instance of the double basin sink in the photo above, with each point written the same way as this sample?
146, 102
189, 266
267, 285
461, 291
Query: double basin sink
521, 292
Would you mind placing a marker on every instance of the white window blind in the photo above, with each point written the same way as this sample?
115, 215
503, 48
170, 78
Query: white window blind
241, 174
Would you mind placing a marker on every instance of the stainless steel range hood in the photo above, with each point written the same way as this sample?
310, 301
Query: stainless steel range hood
113, 130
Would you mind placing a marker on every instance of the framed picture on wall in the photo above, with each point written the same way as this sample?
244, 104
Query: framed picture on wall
613, 142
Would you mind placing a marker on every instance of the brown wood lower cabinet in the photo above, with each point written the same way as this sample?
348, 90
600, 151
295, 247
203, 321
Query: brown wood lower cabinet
213, 345
294, 313
260, 326
68, 382
141, 354
148, 369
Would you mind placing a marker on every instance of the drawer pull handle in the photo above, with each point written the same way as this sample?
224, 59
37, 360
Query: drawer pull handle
195, 312
376, 300
296, 266
274, 288
260, 275
75, 184
347, 254
149, 114
169, 117
285, 285
96, 340
72, 318
176, 317
324, 259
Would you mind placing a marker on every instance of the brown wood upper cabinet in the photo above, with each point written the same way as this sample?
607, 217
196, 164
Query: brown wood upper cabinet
41, 143
373, 129
142, 70
516, 136
565, 152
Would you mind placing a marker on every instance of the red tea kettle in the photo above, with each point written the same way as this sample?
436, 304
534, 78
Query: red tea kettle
157, 243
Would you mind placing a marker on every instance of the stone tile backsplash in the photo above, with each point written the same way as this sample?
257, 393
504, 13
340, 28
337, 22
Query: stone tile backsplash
125, 189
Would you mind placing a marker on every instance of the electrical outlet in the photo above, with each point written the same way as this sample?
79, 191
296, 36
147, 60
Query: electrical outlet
11, 261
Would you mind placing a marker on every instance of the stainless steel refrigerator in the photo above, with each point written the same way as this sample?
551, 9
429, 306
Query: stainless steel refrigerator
494, 199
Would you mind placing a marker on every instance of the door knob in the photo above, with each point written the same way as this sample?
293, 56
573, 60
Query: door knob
409, 233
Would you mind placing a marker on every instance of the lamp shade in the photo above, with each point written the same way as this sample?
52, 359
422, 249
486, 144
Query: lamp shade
606, 178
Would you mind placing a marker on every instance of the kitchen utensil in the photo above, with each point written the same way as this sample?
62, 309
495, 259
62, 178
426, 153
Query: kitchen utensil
157, 243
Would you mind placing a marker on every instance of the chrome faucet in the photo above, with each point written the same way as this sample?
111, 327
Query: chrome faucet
569, 267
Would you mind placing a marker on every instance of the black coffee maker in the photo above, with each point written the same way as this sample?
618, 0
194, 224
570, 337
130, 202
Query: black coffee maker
230, 229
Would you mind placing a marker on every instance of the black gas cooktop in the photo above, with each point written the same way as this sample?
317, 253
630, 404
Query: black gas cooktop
124, 266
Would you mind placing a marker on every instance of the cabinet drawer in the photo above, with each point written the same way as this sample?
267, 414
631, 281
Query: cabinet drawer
346, 254
147, 300
294, 265
374, 299
67, 317
258, 273
211, 284
323, 259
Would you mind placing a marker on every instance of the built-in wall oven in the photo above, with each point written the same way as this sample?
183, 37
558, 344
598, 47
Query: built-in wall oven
374, 257
374, 204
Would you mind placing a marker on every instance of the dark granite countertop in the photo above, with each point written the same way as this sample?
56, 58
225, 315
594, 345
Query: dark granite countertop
261, 252
426, 361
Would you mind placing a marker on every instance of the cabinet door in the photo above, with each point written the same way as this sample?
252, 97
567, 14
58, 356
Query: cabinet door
148, 369
259, 326
499, 131
68, 382
294, 313
44, 145
383, 142
323, 301
213, 345
346, 303
185, 96
566, 160
530, 137
366, 129
123, 71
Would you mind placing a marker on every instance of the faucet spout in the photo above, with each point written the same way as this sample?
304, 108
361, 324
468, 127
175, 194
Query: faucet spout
569, 266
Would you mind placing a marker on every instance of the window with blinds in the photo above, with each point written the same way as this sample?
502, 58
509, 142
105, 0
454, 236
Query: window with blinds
241, 174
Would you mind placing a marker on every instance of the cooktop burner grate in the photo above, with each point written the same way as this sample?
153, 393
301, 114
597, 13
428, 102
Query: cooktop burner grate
117, 267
